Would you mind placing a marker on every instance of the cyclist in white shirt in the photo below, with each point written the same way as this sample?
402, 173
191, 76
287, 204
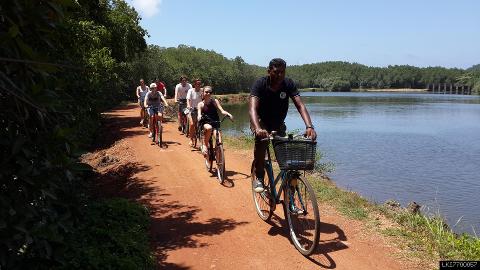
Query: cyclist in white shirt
194, 96
141, 91
181, 91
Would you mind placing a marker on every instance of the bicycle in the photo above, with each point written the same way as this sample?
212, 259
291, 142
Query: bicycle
186, 129
157, 130
214, 153
145, 117
299, 200
182, 103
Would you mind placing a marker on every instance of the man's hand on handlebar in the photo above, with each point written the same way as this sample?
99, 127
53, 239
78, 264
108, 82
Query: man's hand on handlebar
261, 133
310, 133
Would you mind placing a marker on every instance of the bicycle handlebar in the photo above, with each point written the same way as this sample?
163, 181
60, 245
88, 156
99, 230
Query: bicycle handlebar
273, 135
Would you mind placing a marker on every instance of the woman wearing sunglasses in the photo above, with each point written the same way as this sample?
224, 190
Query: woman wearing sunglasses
208, 116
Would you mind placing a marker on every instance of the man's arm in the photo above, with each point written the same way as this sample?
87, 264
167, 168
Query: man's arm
252, 112
189, 97
146, 100
310, 132
162, 98
199, 110
176, 93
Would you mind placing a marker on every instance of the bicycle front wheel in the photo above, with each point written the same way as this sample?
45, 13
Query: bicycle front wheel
302, 213
263, 200
220, 160
187, 126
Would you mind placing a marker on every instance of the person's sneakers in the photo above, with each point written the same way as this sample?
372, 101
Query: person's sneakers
204, 150
179, 128
150, 135
295, 210
258, 185
141, 122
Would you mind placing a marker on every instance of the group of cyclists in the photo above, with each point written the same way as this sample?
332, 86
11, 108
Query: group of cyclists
195, 103
268, 108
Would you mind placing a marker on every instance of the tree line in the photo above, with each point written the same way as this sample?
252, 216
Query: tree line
234, 75
344, 76
168, 64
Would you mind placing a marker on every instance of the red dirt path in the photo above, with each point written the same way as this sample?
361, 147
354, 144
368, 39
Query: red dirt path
199, 224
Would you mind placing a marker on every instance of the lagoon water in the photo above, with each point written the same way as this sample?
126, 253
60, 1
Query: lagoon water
408, 147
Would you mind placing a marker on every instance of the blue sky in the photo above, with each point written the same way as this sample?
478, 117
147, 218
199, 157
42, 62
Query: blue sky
371, 32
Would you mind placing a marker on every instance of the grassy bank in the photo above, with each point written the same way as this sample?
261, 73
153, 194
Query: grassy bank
233, 98
426, 237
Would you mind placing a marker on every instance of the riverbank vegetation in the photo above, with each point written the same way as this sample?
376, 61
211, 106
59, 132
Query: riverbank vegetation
423, 236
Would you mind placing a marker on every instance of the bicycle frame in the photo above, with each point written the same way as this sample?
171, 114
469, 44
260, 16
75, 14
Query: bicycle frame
283, 175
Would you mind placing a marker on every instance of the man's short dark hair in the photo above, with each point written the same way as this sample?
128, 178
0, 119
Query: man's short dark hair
277, 62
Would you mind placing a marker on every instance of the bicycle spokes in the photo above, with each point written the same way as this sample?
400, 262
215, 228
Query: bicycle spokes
302, 214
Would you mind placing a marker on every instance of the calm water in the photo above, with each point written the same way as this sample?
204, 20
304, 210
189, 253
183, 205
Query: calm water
407, 147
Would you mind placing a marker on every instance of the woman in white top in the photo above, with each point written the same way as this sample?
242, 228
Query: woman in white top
194, 96
141, 91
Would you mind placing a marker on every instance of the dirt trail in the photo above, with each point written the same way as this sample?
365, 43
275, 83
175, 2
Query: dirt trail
199, 224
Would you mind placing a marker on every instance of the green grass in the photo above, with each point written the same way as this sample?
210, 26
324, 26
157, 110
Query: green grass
425, 237
113, 234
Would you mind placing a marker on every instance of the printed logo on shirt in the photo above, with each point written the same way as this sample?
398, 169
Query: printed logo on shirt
283, 95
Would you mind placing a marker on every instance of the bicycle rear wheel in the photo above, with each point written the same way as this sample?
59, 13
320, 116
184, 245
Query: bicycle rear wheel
159, 133
154, 130
263, 200
220, 161
302, 214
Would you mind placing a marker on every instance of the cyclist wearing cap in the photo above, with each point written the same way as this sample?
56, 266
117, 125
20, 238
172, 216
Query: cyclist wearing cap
208, 116
141, 91
181, 91
153, 103
194, 96
268, 107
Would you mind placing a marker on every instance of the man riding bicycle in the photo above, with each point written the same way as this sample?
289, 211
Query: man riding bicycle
208, 116
194, 96
268, 107
141, 91
153, 103
181, 91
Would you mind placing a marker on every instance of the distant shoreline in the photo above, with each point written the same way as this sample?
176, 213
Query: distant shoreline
409, 90
390, 90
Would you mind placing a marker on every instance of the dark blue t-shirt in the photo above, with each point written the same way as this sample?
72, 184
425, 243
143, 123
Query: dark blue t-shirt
273, 105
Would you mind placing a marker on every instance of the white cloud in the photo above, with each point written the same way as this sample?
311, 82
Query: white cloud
148, 8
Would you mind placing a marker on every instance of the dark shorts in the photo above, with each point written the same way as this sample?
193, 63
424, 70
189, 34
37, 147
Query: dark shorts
205, 120
182, 104
141, 102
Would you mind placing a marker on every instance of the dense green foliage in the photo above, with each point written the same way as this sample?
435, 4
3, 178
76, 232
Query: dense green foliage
234, 75
168, 64
60, 67
343, 76
111, 235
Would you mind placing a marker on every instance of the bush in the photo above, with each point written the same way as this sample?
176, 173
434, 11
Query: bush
112, 235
